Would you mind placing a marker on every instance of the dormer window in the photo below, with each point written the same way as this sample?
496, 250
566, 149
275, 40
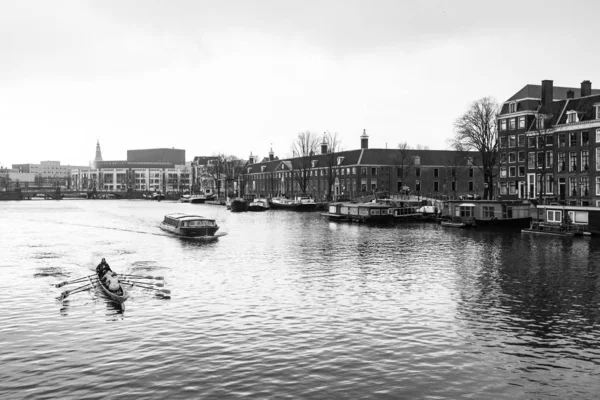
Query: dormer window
339, 160
540, 121
572, 117
314, 163
249, 170
512, 107
262, 168
417, 160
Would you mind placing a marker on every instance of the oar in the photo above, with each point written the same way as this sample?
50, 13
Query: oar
74, 281
163, 296
147, 287
158, 278
66, 293
143, 283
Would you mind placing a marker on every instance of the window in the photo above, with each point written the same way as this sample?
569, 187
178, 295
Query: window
503, 141
572, 161
418, 186
512, 172
339, 160
502, 172
512, 157
531, 142
363, 171
540, 159
540, 122
512, 141
597, 107
363, 184
436, 186
572, 117
512, 124
531, 160
521, 122
512, 107
417, 171
373, 184
554, 216
417, 160
436, 172
512, 187
549, 184
374, 171
598, 186
521, 156
488, 211
573, 186
470, 186
453, 186
521, 140
585, 138
598, 159
521, 170
572, 139
585, 160
562, 162
549, 159
314, 163
562, 141
503, 125
549, 140
470, 172
503, 188
585, 186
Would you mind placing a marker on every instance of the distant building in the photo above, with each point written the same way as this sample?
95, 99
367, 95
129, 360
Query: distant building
144, 170
549, 137
174, 156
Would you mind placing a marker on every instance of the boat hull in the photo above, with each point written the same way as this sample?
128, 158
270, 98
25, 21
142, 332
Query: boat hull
119, 298
239, 205
201, 231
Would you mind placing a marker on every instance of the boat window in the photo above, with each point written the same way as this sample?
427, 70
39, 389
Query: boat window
466, 211
579, 217
375, 212
553, 216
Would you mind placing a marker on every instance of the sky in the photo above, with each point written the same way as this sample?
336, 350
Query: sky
240, 77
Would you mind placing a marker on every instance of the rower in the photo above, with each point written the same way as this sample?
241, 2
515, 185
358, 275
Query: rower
112, 282
102, 269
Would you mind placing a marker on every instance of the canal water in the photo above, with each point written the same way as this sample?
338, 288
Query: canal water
290, 305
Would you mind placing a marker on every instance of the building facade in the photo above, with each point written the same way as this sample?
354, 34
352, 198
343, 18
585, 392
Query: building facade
549, 138
362, 172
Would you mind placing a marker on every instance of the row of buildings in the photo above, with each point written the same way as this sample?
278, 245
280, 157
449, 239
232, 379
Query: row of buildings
549, 142
322, 174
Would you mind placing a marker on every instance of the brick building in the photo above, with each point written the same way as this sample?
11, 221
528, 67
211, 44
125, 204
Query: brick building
361, 172
548, 139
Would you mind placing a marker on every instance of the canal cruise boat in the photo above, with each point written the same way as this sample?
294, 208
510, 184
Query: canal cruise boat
187, 225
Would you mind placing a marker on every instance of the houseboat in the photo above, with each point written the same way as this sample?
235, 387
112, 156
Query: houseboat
565, 220
187, 225
259, 204
360, 212
505, 213
301, 203
238, 205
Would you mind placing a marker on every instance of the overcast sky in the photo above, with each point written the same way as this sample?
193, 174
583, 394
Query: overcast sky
237, 77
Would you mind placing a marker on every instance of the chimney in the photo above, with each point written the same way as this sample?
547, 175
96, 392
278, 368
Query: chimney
586, 88
364, 140
547, 92
570, 94
324, 145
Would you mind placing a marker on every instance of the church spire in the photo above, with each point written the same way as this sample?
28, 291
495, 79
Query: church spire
98, 152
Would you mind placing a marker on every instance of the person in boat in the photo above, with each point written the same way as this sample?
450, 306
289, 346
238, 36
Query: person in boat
102, 269
112, 282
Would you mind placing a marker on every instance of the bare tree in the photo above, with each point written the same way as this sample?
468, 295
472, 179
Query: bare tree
332, 171
476, 130
303, 150
405, 164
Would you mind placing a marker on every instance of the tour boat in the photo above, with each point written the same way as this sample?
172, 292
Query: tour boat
187, 225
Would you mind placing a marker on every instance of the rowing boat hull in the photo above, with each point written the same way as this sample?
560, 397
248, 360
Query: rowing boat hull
120, 299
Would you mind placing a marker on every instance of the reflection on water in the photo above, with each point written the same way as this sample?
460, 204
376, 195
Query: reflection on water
292, 305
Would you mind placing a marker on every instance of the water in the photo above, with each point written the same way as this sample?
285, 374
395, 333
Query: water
290, 305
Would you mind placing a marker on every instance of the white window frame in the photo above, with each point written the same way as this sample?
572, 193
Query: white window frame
553, 216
